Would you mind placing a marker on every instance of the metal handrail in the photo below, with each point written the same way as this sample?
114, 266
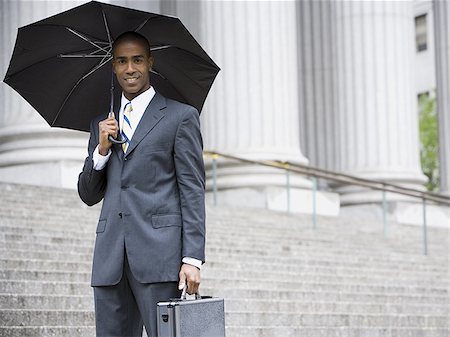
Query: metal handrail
339, 177
316, 172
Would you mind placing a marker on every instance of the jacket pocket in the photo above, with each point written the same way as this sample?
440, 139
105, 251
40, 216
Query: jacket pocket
164, 147
166, 220
101, 226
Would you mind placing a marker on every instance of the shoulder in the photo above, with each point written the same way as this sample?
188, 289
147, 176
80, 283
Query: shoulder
181, 109
179, 112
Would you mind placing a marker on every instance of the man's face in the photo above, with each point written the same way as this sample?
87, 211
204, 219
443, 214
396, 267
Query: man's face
132, 64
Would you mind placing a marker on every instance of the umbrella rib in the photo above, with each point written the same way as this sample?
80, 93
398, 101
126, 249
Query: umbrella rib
157, 73
86, 39
160, 47
94, 69
141, 25
84, 55
98, 66
107, 28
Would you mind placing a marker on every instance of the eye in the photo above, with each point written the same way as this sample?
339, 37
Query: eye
138, 61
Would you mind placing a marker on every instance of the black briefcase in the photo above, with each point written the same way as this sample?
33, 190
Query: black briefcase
200, 317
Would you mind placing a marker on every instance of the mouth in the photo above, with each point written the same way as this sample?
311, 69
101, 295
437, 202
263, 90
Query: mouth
131, 80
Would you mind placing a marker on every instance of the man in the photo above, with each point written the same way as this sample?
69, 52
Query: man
151, 232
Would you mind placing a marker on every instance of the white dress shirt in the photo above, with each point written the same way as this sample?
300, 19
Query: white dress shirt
139, 104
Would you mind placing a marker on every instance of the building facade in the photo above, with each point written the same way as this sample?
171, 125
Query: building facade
332, 84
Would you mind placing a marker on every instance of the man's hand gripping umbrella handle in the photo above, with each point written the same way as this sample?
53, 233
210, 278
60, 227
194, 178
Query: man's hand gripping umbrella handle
119, 139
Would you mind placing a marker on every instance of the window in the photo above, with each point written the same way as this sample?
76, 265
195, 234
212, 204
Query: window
421, 32
423, 96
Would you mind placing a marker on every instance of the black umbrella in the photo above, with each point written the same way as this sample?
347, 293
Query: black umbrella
61, 65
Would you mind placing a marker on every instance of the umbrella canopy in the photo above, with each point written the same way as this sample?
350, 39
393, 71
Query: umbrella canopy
61, 65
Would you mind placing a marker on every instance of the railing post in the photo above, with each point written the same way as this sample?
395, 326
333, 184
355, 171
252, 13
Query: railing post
384, 214
214, 174
425, 239
314, 204
288, 191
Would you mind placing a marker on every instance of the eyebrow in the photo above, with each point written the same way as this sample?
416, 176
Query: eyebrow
119, 58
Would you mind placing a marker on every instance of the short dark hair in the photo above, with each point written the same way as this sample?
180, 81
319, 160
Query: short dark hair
132, 36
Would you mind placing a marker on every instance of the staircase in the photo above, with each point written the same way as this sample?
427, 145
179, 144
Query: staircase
279, 277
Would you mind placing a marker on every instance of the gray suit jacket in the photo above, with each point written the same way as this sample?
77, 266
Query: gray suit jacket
153, 196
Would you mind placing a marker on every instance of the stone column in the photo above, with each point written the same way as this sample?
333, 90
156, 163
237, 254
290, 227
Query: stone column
442, 42
30, 151
316, 22
255, 110
358, 94
252, 111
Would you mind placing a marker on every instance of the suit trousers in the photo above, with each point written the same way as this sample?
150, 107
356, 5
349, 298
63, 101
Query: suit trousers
122, 309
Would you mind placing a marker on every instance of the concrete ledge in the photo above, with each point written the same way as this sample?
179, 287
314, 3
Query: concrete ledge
276, 199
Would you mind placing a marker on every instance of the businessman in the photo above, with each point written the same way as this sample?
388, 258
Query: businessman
151, 232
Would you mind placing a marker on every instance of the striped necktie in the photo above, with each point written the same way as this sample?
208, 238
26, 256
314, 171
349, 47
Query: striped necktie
126, 126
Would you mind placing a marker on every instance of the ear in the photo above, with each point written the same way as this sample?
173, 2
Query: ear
151, 60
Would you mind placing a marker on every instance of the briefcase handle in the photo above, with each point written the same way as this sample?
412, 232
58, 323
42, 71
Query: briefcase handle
183, 294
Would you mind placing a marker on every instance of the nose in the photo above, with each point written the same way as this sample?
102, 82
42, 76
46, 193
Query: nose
130, 67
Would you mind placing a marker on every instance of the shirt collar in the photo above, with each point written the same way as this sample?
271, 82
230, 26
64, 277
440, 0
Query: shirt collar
140, 102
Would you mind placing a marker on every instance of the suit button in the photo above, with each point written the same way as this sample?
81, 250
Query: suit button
124, 187
120, 214
125, 159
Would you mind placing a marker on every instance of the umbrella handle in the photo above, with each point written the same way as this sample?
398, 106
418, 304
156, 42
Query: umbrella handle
119, 139
116, 141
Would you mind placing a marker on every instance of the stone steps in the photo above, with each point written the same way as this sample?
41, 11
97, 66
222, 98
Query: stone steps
291, 242
248, 331
41, 317
348, 295
239, 318
279, 277
64, 244
324, 319
305, 259
325, 287
233, 232
46, 265
257, 331
417, 281
223, 245
412, 236
48, 331
85, 302
32, 214
42, 275
59, 241
267, 305
310, 267
294, 246
39, 246
47, 302
83, 267
47, 255
337, 295
44, 287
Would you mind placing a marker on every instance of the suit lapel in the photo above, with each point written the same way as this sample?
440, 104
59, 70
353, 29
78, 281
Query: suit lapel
152, 115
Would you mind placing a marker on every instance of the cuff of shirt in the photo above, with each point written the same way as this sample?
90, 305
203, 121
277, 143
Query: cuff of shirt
193, 262
99, 160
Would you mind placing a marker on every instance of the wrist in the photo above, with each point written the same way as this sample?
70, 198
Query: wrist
192, 262
103, 150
